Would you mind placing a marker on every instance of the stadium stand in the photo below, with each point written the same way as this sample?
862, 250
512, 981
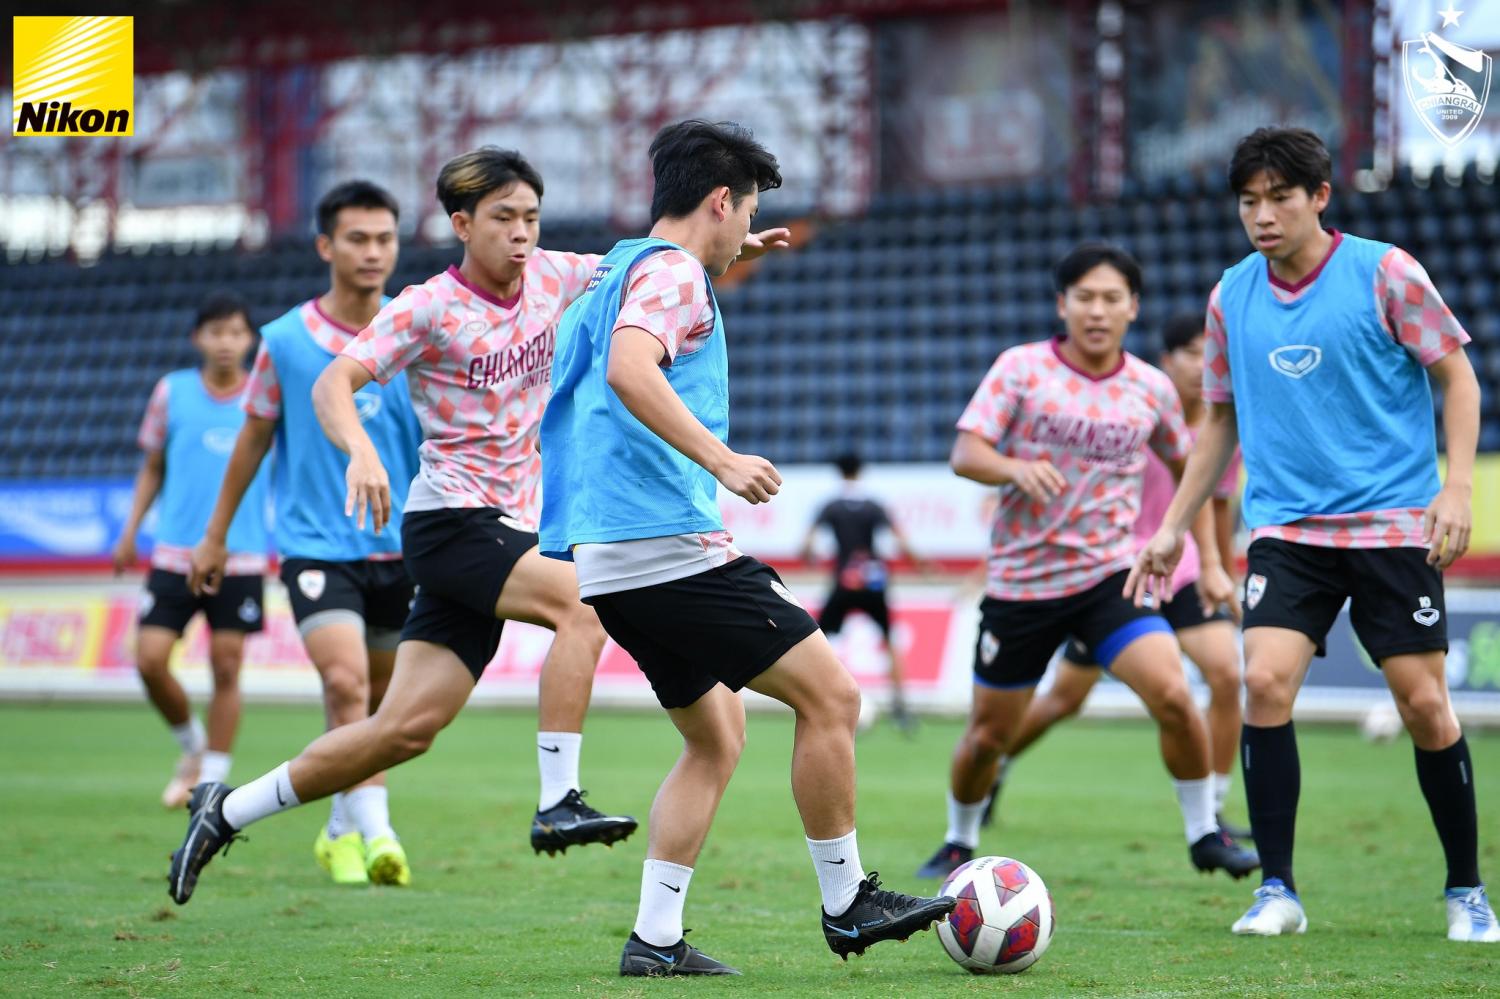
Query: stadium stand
881, 324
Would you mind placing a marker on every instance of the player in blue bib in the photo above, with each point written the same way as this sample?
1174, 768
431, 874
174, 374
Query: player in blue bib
633, 451
187, 434
347, 585
1319, 350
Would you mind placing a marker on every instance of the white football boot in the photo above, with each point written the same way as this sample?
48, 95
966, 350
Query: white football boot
1276, 910
1470, 918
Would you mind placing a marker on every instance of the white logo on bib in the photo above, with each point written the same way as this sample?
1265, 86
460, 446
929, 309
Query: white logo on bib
1296, 360
366, 405
311, 582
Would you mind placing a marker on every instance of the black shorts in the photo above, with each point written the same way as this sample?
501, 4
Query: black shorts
1018, 637
461, 560
373, 595
843, 600
238, 606
1395, 598
1182, 612
727, 625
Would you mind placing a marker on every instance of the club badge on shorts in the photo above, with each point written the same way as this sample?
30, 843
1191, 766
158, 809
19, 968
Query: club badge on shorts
1255, 588
989, 647
249, 611
784, 593
1426, 615
312, 583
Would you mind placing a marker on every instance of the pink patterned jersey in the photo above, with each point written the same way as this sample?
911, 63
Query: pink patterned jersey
667, 296
479, 372
1417, 317
153, 432
1096, 431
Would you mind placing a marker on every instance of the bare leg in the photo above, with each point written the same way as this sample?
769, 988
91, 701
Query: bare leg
544, 591
994, 717
713, 735
339, 654
429, 686
226, 652
153, 649
1211, 646
1151, 667
810, 680
1070, 688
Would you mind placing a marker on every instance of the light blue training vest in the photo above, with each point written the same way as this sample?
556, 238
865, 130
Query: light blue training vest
201, 431
309, 484
605, 477
1335, 416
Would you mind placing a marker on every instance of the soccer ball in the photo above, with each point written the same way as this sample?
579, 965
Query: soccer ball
1382, 723
1004, 919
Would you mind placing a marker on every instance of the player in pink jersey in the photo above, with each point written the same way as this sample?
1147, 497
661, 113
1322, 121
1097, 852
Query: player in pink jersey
349, 593
1063, 427
1208, 639
476, 344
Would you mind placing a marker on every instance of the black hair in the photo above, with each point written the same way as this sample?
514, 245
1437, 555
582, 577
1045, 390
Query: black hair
1295, 157
849, 464
466, 179
692, 158
1181, 330
1086, 256
221, 305
353, 194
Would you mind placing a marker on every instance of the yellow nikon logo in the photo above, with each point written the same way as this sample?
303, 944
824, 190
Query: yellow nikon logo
73, 76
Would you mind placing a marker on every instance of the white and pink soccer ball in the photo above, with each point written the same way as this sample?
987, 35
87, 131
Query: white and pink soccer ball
1004, 919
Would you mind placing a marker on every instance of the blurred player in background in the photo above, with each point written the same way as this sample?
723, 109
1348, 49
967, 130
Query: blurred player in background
187, 434
1063, 427
859, 574
349, 590
475, 343
1319, 349
633, 451
1208, 640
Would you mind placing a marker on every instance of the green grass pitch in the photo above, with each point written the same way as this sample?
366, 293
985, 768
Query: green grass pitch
85, 910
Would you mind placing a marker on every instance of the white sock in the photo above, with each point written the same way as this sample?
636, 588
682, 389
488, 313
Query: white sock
339, 822
190, 736
215, 767
1196, 799
557, 761
663, 890
368, 808
265, 795
963, 821
1221, 791
836, 862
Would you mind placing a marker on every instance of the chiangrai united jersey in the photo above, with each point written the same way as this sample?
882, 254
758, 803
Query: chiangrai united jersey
1332, 400
479, 370
1096, 430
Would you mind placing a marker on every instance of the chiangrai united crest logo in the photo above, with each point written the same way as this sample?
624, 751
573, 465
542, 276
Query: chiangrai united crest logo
1448, 83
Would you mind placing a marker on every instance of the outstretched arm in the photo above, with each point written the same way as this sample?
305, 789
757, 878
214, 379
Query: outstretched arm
635, 375
369, 487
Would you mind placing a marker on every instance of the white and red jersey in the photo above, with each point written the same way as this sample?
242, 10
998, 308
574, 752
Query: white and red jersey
479, 371
1096, 430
